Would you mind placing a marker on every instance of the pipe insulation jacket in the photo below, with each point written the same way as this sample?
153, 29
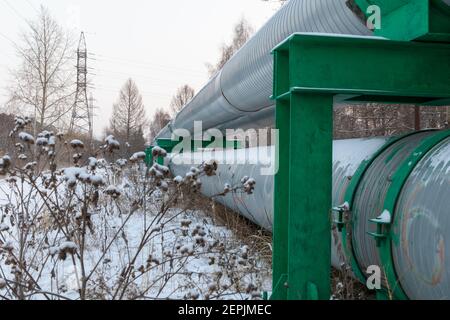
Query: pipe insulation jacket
422, 237
238, 96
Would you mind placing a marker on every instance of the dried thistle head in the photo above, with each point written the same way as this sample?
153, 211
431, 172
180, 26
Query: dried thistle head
3, 284
159, 152
67, 248
210, 168
111, 144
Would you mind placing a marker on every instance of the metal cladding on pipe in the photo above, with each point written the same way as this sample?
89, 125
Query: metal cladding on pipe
348, 154
240, 93
422, 216
209, 106
421, 254
371, 194
409, 175
258, 207
246, 80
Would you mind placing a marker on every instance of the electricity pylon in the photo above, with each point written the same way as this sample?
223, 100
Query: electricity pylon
82, 110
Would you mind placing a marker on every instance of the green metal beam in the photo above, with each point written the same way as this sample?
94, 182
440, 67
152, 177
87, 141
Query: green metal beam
281, 202
309, 72
301, 258
408, 20
367, 66
169, 145
310, 163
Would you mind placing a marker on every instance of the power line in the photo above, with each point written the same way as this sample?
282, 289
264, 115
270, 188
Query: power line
116, 90
157, 69
148, 65
32, 6
21, 17
7, 38
13, 43
140, 62
17, 13
117, 75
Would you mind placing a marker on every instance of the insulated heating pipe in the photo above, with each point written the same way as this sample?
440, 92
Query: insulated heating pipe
420, 219
410, 174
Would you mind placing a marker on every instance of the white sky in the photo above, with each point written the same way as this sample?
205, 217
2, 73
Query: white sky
160, 44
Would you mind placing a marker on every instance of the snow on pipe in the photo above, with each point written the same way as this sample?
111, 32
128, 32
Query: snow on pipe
423, 204
239, 95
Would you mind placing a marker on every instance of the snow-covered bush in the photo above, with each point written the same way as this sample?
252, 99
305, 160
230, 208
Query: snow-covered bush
111, 230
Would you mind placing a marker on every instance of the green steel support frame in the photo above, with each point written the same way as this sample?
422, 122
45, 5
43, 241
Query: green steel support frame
349, 199
310, 72
407, 20
169, 145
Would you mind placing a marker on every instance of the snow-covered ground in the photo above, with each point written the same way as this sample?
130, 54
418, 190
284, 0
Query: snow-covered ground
114, 229
127, 237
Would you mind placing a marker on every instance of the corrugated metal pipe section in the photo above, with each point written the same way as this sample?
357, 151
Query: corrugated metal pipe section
420, 221
411, 173
239, 95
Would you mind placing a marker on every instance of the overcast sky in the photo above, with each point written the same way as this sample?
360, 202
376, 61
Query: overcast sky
160, 44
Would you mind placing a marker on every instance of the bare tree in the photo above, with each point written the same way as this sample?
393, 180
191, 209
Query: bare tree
181, 98
128, 118
241, 33
373, 119
160, 120
44, 80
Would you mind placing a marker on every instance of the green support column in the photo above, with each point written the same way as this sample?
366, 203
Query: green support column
310, 163
281, 204
310, 72
302, 238
302, 223
281, 182
169, 145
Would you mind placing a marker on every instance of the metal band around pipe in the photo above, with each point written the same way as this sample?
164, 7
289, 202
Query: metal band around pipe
349, 199
399, 179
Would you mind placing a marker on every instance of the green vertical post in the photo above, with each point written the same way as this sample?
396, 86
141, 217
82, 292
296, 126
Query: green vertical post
302, 195
310, 189
281, 203
310, 71
149, 156
281, 181
302, 222
169, 145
